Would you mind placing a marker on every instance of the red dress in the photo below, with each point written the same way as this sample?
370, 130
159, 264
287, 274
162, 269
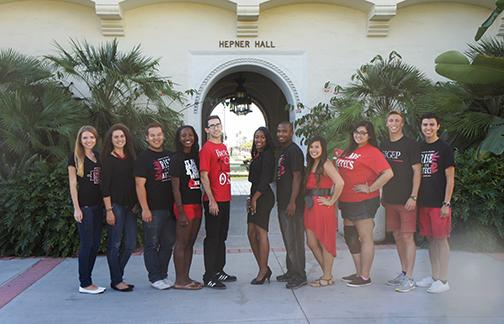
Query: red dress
321, 220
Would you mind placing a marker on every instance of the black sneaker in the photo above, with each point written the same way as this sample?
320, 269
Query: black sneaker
295, 283
222, 276
359, 282
283, 277
349, 278
215, 284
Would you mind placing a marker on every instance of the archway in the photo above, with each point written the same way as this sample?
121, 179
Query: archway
266, 96
272, 90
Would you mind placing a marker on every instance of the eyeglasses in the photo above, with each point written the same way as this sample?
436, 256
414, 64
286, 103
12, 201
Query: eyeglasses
218, 125
356, 132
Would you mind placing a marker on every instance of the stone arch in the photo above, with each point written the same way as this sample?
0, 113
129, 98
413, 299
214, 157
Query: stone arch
481, 3
248, 64
131, 4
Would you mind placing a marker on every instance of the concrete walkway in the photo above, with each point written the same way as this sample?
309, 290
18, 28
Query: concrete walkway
47, 290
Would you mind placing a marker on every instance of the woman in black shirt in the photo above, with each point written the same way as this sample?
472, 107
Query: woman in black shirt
118, 187
84, 179
187, 208
261, 201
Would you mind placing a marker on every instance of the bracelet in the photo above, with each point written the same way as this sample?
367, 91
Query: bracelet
108, 209
446, 204
413, 197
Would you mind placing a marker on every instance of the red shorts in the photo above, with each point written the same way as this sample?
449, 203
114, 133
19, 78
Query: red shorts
399, 219
432, 224
192, 211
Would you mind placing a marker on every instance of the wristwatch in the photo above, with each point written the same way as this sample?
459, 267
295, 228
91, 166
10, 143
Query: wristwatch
446, 204
413, 197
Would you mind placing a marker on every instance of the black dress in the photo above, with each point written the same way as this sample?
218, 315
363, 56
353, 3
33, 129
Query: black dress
262, 170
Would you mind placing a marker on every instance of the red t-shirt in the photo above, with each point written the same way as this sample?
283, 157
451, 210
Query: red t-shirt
214, 159
361, 166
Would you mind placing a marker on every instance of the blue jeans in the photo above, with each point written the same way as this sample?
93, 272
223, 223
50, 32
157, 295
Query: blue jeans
159, 237
89, 234
121, 242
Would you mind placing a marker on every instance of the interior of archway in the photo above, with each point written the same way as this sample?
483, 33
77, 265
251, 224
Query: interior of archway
268, 97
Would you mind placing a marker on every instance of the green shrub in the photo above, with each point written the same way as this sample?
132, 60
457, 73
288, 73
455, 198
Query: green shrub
37, 214
479, 191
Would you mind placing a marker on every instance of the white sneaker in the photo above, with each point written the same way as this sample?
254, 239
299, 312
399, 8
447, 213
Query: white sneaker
96, 291
160, 284
425, 282
438, 287
169, 282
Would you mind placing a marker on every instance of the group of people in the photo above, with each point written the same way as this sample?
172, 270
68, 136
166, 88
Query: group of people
168, 188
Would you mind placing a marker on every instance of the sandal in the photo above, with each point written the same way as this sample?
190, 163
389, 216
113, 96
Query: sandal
193, 285
322, 282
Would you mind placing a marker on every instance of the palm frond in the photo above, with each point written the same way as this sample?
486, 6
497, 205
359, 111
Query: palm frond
486, 46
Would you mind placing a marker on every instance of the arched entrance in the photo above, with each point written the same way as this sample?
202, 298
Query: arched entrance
270, 87
264, 93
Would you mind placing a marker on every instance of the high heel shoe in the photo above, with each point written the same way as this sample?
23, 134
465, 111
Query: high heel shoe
267, 276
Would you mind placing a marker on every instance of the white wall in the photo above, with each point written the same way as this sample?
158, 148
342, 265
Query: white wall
331, 37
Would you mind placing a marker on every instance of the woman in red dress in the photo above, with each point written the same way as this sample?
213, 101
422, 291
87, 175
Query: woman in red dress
323, 187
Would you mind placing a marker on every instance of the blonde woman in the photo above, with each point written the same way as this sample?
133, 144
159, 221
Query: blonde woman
84, 179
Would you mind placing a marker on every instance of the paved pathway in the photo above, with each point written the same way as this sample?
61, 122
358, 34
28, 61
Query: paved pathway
240, 187
47, 291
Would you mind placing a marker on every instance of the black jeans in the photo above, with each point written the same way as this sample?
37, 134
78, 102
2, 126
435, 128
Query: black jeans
89, 233
214, 245
159, 237
121, 242
292, 228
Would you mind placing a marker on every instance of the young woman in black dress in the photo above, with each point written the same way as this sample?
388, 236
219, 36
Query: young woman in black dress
261, 201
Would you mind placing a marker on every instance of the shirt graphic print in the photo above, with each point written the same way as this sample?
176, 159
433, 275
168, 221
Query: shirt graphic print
191, 170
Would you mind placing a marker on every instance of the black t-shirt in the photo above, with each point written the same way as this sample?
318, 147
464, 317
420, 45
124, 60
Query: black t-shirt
401, 155
435, 158
262, 171
118, 181
88, 186
155, 168
186, 168
291, 159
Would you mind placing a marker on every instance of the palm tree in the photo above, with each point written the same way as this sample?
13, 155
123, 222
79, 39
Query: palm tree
37, 114
377, 88
477, 118
118, 86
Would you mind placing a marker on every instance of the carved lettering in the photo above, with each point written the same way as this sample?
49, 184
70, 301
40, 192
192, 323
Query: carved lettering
245, 44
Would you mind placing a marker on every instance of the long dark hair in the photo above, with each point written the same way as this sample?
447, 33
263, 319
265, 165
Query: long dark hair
178, 144
319, 171
352, 145
108, 147
269, 141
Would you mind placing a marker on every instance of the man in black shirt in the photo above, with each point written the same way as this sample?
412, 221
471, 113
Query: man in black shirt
154, 191
290, 167
400, 195
436, 189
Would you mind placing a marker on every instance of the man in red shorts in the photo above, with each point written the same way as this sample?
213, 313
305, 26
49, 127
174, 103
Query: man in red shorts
436, 189
400, 195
